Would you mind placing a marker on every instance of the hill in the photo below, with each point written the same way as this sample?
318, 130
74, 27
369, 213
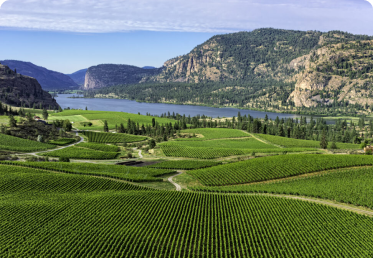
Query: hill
23, 91
49, 80
268, 69
78, 77
106, 75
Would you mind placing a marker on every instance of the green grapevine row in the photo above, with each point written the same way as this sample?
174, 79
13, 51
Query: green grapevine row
112, 137
81, 153
12, 143
184, 164
134, 174
100, 147
267, 168
62, 142
213, 133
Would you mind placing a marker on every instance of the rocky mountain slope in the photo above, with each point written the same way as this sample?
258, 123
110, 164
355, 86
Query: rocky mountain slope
78, 77
23, 91
49, 80
106, 75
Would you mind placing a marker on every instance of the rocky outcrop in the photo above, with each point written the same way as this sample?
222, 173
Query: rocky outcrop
23, 91
106, 75
49, 80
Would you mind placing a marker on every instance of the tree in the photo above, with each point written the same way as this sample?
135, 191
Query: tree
40, 138
86, 108
12, 121
324, 141
106, 127
152, 144
153, 122
45, 114
67, 126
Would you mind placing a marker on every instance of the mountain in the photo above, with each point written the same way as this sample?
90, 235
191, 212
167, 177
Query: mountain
268, 69
78, 77
106, 75
49, 80
149, 67
23, 91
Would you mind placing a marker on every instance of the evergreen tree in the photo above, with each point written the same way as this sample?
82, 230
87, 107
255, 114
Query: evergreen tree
106, 127
12, 121
45, 114
324, 141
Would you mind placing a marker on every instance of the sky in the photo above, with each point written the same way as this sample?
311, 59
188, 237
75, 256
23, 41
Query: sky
69, 35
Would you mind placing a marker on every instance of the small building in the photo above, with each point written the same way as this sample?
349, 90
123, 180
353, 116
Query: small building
37, 118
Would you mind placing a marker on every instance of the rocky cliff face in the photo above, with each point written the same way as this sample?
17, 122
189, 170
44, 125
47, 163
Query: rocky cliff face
49, 80
106, 75
23, 91
79, 76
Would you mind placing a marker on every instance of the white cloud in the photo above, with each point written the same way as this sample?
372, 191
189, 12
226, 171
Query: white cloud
182, 15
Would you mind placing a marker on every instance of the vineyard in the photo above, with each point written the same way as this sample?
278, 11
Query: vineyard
12, 143
113, 118
243, 143
184, 164
60, 215
133, 174
213, 133
98, 146
262, 169
290, 142
81, 153
112, 137
63, 141
350, 186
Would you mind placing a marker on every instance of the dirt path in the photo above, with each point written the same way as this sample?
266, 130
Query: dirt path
263, 141
60, 148
140, 155
170, 179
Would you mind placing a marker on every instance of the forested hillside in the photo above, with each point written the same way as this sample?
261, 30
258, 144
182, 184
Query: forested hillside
267, 69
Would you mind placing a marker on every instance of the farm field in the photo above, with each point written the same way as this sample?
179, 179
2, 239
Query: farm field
213, 133
99, 147
113, 118
350, 186
11, 143
62, 142
184, 164
275, 167
40, 211
111, 171
81, 153
290, 142
112, 137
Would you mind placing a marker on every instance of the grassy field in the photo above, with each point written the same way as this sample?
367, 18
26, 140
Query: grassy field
58, 215
11, 143
289, 142
267, 168
113, 118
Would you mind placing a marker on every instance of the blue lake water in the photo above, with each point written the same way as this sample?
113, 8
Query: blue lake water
130, 106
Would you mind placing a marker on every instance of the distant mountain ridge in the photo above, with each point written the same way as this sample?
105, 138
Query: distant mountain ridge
79, 76
23, 91
106, 75
49, 80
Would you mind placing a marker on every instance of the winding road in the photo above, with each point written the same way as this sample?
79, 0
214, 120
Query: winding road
170, 179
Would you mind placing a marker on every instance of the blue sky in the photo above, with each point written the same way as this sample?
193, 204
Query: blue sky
68, 35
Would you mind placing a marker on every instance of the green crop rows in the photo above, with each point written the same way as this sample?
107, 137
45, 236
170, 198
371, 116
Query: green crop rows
173, 150
12, 143
213, 133
275, 167
112, 137
244, 143
290, 142
112, 171
98, 146
63, 141
350, 186
40, 217
185, 164
81, 153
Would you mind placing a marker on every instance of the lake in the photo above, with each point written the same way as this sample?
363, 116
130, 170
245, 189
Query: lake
131, 106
